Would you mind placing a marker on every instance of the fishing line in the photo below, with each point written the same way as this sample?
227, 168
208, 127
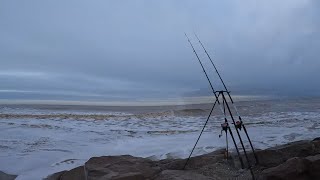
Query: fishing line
240, 124
217, 100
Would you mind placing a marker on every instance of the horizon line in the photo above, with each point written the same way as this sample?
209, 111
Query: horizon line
140, 102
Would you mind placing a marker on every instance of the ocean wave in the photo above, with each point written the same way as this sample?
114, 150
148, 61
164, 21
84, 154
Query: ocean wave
100, 116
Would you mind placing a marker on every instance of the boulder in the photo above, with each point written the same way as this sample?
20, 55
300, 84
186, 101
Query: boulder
128, 176
181, 175
293, 169
121, 167
77, 173
55, 176
275, 156
171, 164
298, 160
316, 139
5, 176
314, 168
299, 149
198, 162
269, 158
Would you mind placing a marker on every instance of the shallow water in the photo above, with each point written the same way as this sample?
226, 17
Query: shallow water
36, 141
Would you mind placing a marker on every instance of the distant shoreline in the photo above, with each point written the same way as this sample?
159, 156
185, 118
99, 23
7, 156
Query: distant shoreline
129, 103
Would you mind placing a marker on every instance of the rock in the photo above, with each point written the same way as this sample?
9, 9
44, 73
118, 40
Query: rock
293, 169
129, 176
269, 158
275, 156
219, 170
181, 175
121, 167
171, 164
74, 174
314, 169
203, 160
55, 176
4, 176
300, 149
298, 160
316, 139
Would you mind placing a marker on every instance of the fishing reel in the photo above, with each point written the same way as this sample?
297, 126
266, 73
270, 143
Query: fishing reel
238, 125
224, 127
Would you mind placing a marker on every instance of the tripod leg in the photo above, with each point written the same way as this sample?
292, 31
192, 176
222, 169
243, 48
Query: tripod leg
204, 126
235, 145
227, 148
255, 155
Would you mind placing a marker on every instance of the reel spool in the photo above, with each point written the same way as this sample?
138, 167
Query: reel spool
239, 125
225, 127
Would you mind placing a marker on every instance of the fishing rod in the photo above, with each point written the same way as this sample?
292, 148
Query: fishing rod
225, 127
217, 100
226, 121
214, 92
239, 123
234, 123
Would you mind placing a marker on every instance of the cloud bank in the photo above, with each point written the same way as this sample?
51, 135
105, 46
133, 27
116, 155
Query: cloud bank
102, 50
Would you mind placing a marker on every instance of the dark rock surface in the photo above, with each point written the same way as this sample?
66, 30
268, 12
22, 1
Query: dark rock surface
297, 160
77, 173
314, 168
274, 156
121, 167
295, 168
4, 176
55, 175
180, 174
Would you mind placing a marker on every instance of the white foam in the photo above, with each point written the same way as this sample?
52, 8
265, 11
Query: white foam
35, 148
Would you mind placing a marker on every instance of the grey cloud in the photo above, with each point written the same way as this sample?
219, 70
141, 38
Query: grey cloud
137, 48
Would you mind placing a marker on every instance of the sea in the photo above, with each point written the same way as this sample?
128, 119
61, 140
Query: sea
37, 140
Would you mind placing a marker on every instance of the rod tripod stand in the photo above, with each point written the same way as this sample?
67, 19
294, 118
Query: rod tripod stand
226, 111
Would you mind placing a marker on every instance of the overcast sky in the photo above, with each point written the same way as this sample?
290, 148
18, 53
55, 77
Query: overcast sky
120, 49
